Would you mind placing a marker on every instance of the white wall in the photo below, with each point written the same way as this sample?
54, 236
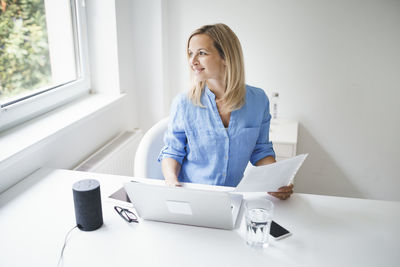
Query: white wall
336, 65
148, 69
127, 78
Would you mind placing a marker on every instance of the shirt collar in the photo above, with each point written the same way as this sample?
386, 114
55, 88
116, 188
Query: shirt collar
208, 92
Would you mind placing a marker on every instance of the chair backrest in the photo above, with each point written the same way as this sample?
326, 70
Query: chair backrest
146, 164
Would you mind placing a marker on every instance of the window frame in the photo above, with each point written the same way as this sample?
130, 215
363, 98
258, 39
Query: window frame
51, 98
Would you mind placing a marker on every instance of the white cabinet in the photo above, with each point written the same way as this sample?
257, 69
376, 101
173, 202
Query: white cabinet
283, 134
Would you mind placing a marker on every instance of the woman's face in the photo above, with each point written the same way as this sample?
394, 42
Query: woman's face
204, 59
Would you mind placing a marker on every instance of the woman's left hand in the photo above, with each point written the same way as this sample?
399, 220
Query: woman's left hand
283, 193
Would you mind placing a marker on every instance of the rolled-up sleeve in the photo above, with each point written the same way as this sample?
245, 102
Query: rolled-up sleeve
175, 139
263, 146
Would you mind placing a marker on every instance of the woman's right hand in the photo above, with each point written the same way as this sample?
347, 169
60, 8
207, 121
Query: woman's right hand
172, 182
170, 169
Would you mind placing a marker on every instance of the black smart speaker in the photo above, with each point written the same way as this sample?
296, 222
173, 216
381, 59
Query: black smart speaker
87, 202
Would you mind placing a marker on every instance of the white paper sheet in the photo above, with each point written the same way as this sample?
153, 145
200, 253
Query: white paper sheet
269, 178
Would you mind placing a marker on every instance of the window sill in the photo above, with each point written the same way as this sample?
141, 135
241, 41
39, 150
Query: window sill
15, 141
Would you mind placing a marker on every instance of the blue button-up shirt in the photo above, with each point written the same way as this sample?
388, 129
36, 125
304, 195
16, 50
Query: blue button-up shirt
207, 151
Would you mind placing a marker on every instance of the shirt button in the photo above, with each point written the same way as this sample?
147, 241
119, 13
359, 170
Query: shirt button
226, 157
223, 174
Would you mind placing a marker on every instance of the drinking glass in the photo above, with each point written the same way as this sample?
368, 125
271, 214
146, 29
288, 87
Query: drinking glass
258, 215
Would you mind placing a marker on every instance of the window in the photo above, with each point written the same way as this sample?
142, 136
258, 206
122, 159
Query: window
43, 57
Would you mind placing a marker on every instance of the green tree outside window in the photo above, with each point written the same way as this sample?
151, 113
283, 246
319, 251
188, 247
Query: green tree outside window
24, 49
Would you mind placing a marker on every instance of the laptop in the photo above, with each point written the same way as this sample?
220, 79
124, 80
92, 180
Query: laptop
198, 207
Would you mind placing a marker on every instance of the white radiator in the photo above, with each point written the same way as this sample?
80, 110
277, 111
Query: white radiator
116, 157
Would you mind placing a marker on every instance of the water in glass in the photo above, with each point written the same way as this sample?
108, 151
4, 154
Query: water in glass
258, 222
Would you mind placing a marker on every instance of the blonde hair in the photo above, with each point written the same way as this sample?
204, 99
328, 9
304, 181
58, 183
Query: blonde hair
228, 46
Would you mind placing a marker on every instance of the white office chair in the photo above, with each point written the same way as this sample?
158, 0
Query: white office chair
146, 164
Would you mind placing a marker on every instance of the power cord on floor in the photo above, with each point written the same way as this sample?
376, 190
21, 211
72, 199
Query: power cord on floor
65, 244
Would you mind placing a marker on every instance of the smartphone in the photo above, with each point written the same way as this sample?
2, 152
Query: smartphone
278, 232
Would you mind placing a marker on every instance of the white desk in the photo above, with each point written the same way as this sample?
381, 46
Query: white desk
36, 214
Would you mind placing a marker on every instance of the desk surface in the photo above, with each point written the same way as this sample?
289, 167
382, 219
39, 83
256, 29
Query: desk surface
36, 214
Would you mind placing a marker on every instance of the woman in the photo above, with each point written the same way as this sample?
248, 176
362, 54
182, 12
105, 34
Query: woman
222, 123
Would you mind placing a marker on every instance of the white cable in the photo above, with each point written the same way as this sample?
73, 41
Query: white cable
65, 244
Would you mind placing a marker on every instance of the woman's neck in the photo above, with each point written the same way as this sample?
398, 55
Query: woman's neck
217, 87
